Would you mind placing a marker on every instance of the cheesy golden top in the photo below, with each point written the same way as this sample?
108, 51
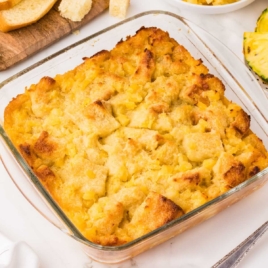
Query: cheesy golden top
133, 137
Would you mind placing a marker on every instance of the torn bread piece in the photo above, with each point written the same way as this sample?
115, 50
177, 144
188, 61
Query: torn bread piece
118, 8
73, 10
155, 211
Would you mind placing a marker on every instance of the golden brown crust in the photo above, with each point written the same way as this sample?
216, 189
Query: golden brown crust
242, 122
155, 211
26, 151
229, 172
134, 137
8, 4
43, 146
23, 13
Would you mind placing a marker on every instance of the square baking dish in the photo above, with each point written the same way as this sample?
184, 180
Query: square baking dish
241, 87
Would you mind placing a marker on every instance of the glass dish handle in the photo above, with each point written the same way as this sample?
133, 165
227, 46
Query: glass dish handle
27, 189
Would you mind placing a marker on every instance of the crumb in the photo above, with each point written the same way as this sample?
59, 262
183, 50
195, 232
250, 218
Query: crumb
76, 32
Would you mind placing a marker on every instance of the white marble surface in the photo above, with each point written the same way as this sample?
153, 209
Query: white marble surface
200, 246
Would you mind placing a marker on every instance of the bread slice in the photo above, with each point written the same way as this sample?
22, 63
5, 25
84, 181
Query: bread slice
118, 8
24, 13
74, 10
6, 4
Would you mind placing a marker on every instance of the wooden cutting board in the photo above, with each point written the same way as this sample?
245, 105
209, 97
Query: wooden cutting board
17, 45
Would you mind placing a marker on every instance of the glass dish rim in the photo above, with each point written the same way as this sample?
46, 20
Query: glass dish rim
60, 214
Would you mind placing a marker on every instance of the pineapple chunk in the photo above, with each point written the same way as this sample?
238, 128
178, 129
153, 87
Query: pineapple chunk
262, 22
256, 53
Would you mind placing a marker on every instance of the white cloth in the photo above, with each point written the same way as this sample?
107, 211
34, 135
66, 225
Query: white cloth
17, 254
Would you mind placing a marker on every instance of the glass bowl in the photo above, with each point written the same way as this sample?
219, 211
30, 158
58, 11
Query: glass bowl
241, 87
203, 9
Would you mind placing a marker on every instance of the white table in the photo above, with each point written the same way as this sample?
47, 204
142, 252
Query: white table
200, 246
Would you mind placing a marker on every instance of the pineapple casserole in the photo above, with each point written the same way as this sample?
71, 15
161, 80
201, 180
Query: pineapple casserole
133, 138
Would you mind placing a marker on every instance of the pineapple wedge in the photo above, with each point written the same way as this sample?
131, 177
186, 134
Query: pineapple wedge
262, 22
255, 48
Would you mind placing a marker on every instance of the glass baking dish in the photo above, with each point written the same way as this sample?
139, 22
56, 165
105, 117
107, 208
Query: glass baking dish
241, 87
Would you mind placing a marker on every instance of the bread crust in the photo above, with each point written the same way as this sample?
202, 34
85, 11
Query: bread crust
6, 4
6, 25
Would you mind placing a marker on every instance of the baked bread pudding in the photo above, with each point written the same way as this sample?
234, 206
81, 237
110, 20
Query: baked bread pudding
133, 138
